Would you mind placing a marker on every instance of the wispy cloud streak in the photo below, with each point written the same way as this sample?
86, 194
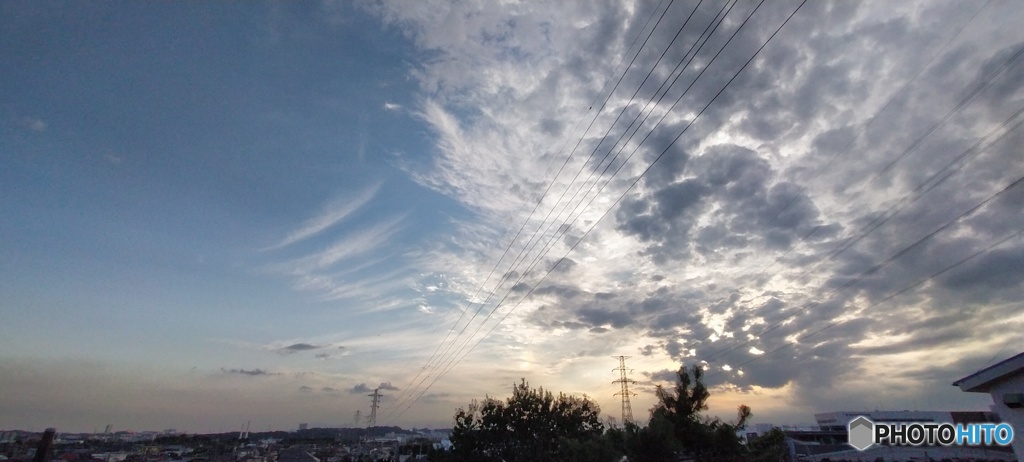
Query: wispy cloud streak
332, 215
352, 245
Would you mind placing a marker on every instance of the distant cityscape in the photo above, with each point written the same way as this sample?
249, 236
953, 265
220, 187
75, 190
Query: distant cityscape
826, 440
830, 439
301, 445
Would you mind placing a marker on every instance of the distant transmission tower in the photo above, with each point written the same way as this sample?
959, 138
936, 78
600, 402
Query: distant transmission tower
373, 407
627, 410
358, 415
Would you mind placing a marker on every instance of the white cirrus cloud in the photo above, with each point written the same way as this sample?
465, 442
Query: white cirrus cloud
333, 214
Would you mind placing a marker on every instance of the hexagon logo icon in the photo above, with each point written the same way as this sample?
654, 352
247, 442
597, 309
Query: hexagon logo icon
861, 433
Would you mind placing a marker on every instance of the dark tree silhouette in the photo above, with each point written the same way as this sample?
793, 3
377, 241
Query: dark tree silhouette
531, 425
679, 414
769, 447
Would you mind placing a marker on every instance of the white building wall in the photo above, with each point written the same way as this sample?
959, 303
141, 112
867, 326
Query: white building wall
1014, 417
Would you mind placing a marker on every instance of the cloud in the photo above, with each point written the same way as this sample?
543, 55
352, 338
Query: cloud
768, 220
365, 265
437, 397
34, 124
251, 372
999, 269
354, 244
360, 388
736, 184
771, 237
305, 389
333, 214
363, 388
297, 347
663, 375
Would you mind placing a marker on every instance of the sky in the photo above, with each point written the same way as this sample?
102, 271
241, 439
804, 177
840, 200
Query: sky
221, 213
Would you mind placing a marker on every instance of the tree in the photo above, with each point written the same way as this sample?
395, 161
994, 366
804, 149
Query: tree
702, 438
531, 425
769, 447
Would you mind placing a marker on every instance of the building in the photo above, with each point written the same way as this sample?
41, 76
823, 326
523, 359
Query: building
828, 440
296, 454
836, 421
1005, 382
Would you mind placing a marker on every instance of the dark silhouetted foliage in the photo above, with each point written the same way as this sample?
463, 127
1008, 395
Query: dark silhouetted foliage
678, 428
534, 425
769, 447
531, 425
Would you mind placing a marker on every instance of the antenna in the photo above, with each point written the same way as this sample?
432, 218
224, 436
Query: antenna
624, 381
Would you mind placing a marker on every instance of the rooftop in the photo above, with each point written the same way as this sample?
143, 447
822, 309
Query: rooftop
979, 382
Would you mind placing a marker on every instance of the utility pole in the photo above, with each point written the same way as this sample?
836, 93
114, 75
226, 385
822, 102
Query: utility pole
373, 407
624, 381
358, 415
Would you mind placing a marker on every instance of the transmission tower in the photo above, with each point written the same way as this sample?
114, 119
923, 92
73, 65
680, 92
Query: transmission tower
373, 407
358, 415
627, 410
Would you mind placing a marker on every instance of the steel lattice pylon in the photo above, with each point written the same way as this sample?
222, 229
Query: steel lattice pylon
373, 407
624, 381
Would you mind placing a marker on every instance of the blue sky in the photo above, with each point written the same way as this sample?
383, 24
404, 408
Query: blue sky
217, 213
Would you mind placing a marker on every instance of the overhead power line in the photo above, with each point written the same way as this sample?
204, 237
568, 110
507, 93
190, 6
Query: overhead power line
902, 291
624, 193
870, 271
604, 103
935, 179
561, 231
456, 358
892, 99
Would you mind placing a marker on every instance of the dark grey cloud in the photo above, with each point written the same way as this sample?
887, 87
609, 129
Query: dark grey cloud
999, 269
249, 372
305, 389
731, 191
437, 397
551, 126
363, 388
565, 265
664, 375
808, 364
299, 347
360, 388
946, 372
561, 291
578, 310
